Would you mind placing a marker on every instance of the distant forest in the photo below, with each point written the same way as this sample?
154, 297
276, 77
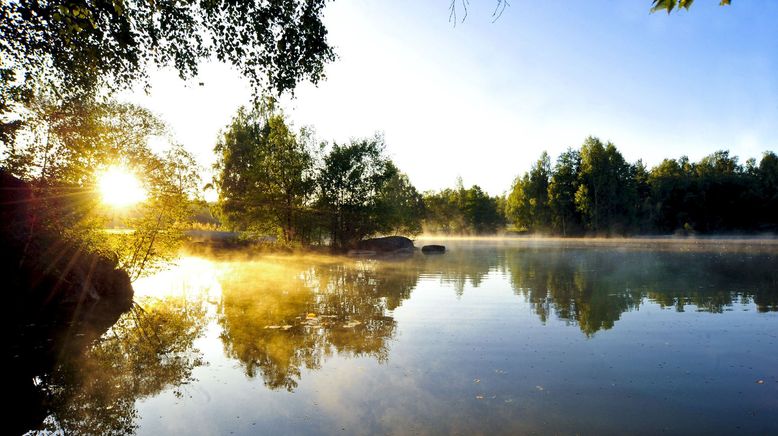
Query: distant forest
593, 190
276, 181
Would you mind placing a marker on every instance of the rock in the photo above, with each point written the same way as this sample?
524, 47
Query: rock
388, 244
433, 249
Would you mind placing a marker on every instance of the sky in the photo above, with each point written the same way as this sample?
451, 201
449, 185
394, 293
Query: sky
482, 100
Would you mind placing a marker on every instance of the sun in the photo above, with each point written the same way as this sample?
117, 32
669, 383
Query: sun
120, 187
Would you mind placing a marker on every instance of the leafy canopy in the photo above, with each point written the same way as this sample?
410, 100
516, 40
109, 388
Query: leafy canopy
350, 184
264, 172
67, 146
88, 45
669, 5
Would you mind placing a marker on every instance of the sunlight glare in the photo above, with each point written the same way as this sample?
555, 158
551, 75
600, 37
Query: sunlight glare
119, 187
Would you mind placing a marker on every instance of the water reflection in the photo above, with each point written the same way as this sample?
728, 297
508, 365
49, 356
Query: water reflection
145, 352
281, 315
592, 288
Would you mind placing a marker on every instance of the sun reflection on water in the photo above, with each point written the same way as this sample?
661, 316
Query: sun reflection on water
190, 277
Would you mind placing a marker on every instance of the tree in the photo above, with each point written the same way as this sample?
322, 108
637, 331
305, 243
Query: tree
561, 192
442, 213
63, 156
672, 196
84, 47
482, 212
350, 184
517, 206
67, 141
639, 178
463, 211
605, 192
527, 203
264, 177
173, 181
402, 207
723, 185
89, 45
767, 185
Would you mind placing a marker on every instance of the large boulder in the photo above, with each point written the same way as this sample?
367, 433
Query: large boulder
388, 244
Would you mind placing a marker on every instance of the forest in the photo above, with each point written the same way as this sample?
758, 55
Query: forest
594, 191
278, 182
281, 183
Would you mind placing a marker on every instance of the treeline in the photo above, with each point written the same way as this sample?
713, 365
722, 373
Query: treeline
594, 190
277, 181
461, 211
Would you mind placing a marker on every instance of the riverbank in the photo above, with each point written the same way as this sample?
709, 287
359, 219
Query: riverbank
221, 241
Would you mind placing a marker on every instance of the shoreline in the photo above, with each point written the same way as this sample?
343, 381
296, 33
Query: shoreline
225, 243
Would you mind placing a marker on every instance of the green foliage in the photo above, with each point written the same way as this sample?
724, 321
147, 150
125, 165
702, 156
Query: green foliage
265, 173
350, 187
606, 191
91, 45
767, 187
64, 150
158, 225
402, 207
14, 93
463, 211
562, 189
272, 180
592, 188
528, 203
596, 191
715, 194
669, 5
87, 49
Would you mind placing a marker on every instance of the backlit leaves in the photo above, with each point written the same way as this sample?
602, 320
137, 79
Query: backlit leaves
669, 5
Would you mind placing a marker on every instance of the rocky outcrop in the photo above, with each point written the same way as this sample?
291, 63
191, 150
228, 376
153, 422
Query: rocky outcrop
59, 295
433, 249
388, 244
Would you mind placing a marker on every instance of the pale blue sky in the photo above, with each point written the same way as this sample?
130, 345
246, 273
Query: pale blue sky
482, 100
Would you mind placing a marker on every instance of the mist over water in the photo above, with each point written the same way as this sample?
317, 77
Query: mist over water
498, 335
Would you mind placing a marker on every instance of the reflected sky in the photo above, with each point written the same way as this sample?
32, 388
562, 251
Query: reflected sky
488, 338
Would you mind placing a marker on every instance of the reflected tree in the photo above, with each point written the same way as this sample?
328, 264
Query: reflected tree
575, 287
283, 315
147, 351
592, 288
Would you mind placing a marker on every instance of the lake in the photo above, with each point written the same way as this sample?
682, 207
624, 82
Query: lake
492, 337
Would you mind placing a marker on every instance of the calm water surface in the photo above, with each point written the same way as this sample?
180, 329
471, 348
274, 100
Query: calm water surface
492, 337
